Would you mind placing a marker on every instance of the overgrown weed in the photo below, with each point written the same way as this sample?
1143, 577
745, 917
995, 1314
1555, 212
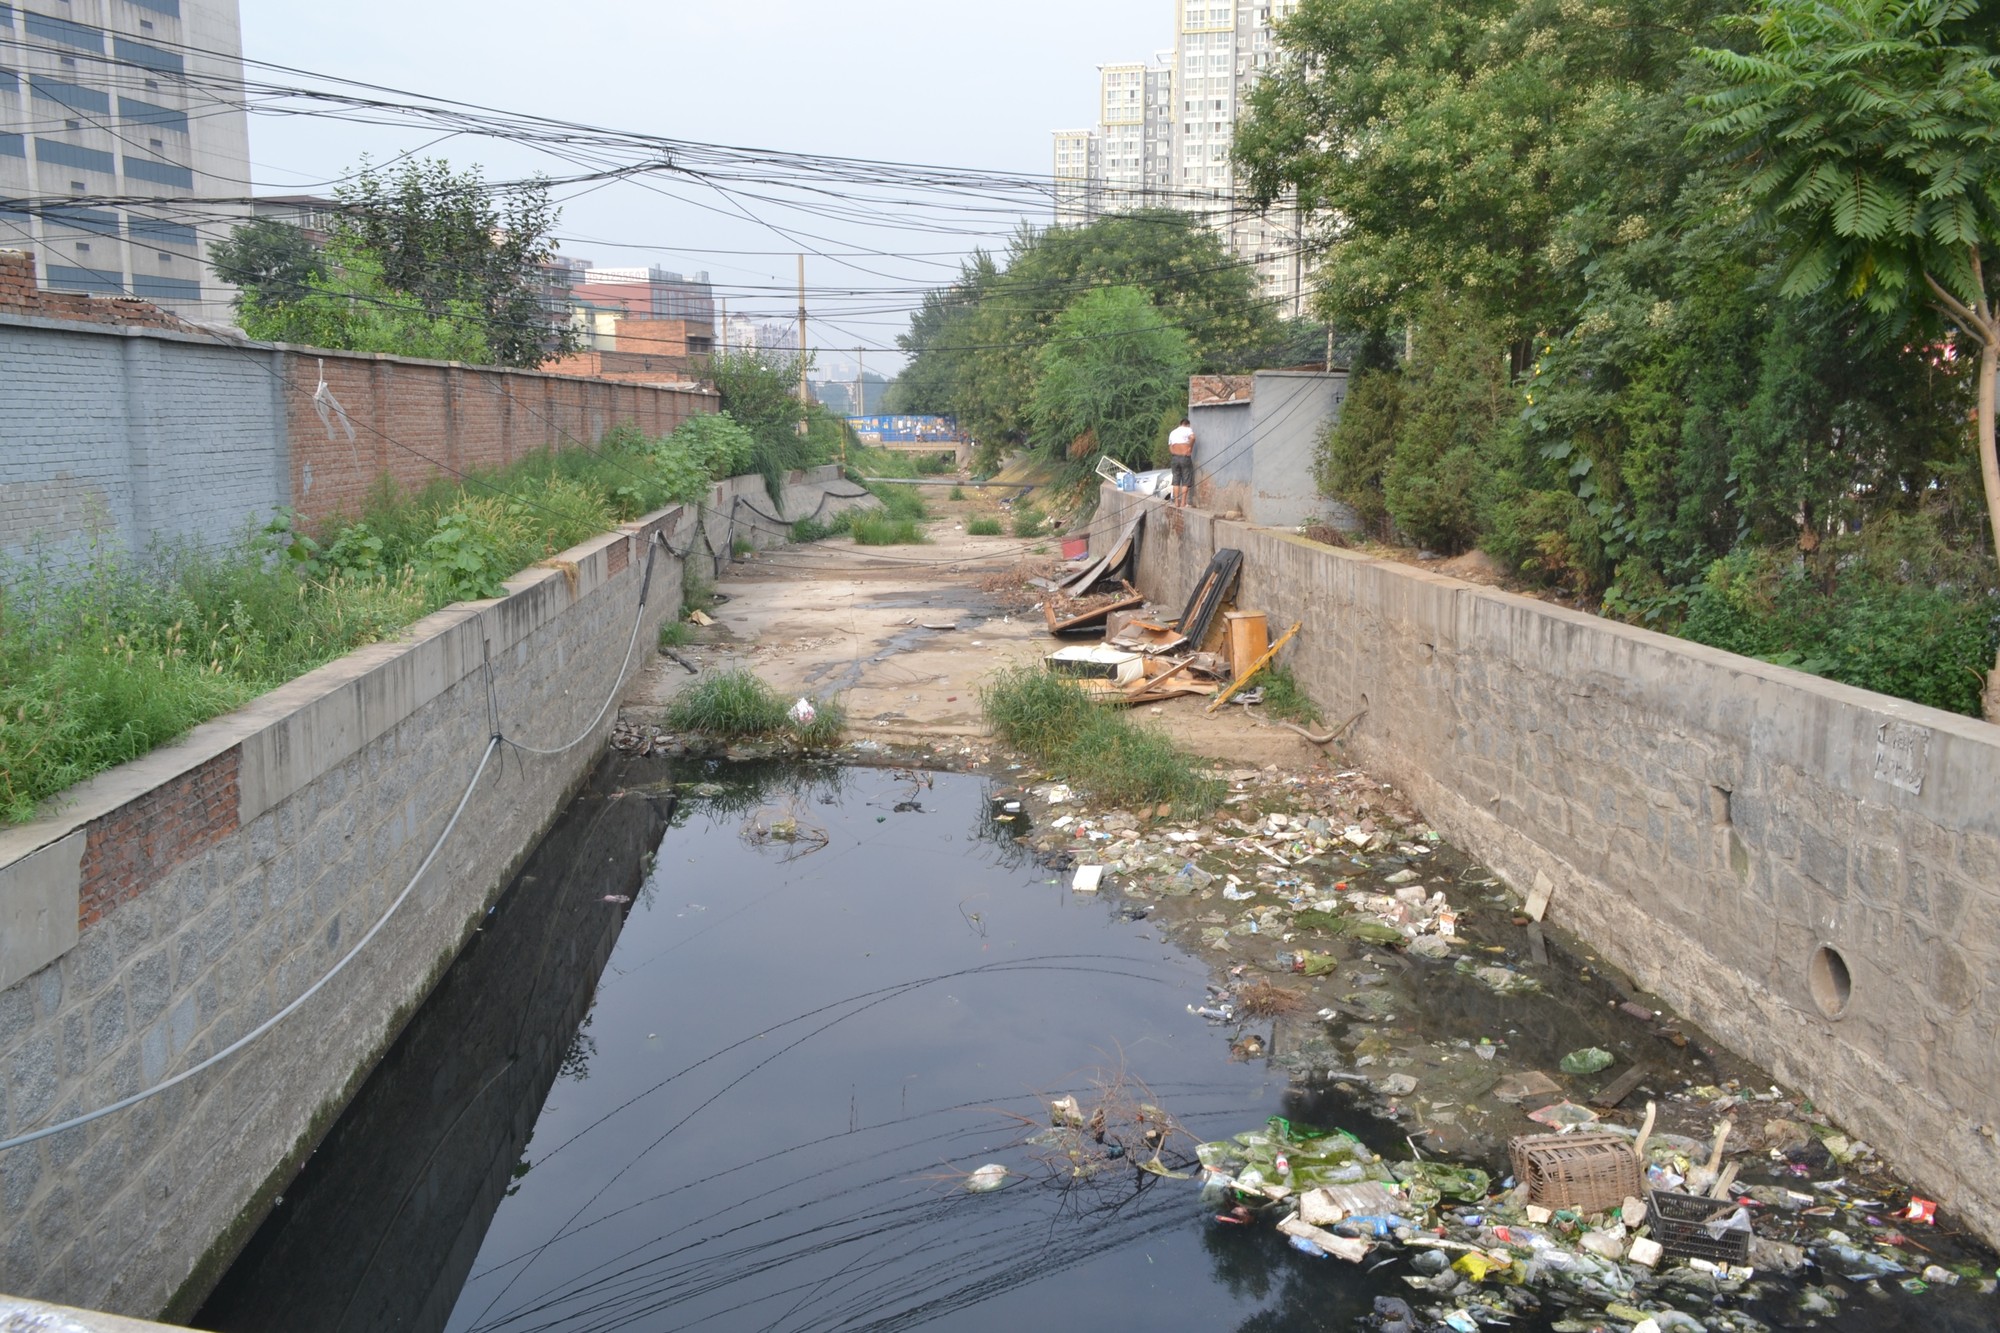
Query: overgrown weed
1094, 746
738, 705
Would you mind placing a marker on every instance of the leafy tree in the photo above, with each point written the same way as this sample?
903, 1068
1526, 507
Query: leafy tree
759, 391
273, 260
1871, 133
348, 306
1439, 143
977, 346
445, 236
1108, 374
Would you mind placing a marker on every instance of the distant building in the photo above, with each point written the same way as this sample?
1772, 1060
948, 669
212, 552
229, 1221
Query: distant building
314, 214
1165, 133
743, 333
114, 116
1076, 176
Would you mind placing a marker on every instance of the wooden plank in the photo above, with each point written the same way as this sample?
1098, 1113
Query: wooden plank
1618, 1089
1538, 948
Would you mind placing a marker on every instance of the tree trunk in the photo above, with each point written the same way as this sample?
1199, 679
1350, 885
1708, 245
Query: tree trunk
1989, 472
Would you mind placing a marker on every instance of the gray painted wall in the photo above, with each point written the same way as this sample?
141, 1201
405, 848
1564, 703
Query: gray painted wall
1256, 457
134, 436
1708, 822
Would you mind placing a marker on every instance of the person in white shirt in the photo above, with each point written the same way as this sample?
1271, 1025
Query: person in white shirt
1180, 452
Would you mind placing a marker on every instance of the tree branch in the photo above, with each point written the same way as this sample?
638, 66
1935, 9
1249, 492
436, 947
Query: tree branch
1957, 311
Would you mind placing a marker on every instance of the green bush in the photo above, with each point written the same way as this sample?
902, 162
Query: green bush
983, 527
1028, 522
675, 634
1355, 450
1931, 645
958, 492
1094, 746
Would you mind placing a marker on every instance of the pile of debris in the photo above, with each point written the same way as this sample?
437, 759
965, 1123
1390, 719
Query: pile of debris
1591, 1241
1207, 650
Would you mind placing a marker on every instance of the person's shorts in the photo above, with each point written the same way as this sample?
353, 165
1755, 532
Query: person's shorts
1183, 470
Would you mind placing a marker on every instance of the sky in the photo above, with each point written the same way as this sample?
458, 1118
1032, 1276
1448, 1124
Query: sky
957, 83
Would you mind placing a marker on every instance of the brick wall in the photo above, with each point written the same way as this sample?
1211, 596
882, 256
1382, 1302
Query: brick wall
20, 295
124, 424
1707, 822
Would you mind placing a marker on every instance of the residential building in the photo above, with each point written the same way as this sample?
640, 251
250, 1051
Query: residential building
649, 293
311, 213
1165, 134
1076, 177
116, 118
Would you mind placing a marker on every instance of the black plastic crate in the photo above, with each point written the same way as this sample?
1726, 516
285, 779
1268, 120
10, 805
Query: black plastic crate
1681, 1222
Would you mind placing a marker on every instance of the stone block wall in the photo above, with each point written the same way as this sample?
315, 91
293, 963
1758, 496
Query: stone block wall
1810, 871
174, 903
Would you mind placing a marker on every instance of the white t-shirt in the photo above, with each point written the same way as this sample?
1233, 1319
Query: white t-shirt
1182, 440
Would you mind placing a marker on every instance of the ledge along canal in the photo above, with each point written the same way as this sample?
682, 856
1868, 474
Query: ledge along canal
733, 1051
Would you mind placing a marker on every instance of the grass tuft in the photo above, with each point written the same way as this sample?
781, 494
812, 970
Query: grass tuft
1028, 522
1094, 746
983, 527
1284, 698
958, 492
884, 530
675, 634
737, 705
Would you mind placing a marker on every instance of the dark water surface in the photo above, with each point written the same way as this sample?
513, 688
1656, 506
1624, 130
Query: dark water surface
792, 1057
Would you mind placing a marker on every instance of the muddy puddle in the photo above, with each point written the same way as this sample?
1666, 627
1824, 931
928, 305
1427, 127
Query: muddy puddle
733, 1053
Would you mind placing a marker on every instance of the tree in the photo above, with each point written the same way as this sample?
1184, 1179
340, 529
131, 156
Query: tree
1438, 142
1870, 130
272, 260
447, 237
977, 345
348, 306
1109, 373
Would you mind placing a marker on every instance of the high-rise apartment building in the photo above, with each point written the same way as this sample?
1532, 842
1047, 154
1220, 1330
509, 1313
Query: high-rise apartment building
1166, 132
117, 119
1076, 173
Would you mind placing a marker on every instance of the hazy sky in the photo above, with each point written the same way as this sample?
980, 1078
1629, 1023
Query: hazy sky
954, 83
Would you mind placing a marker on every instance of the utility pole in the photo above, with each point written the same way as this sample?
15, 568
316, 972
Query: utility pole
860, 382
724, 330
805, 392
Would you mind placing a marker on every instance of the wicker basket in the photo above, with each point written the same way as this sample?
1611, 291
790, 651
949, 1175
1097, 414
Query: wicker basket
1589, 1173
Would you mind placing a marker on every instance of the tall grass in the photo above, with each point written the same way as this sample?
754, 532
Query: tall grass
1094, 746
983, 527
883, 530
103, 661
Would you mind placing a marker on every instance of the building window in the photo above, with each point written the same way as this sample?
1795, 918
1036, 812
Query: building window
72, 124
166, 258
77, 187
83, 247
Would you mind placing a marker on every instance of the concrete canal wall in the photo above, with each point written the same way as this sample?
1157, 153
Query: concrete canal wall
1810, 871
173, 904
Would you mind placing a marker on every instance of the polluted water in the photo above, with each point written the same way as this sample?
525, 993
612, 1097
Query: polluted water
856, 1054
